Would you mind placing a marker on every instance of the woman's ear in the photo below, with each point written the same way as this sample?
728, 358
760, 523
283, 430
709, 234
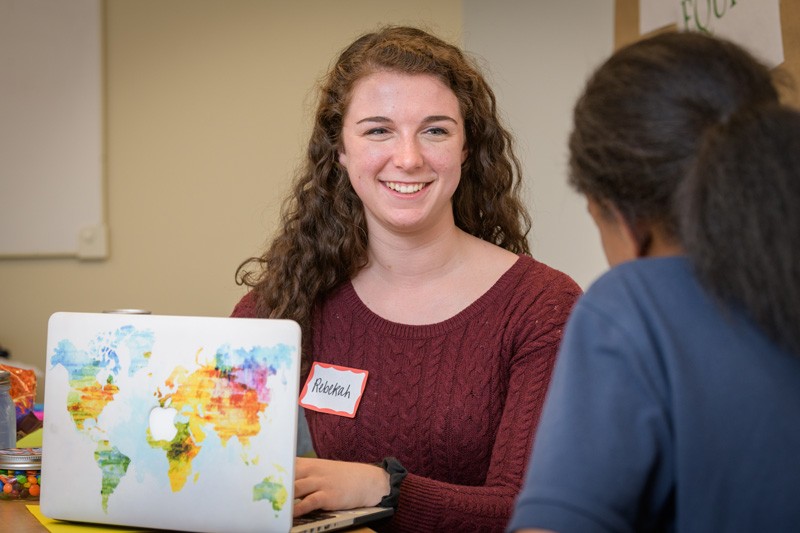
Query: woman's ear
619, 239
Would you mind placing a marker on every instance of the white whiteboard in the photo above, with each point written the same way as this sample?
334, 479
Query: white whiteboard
51, 149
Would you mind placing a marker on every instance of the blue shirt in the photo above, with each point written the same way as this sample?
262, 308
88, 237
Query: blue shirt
667, 412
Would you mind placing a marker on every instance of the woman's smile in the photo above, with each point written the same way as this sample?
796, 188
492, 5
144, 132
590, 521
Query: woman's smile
405, 188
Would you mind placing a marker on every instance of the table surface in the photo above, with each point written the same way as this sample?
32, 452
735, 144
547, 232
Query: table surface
16, 513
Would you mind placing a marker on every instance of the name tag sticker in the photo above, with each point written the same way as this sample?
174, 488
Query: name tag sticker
333, 389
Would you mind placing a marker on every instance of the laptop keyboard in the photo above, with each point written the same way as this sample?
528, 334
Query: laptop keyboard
313, 516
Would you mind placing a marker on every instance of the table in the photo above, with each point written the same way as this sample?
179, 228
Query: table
16, 514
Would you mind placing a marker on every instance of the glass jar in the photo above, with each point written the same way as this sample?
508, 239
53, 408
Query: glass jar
8, 413
20, 473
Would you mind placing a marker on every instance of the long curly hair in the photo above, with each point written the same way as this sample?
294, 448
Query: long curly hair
322, 240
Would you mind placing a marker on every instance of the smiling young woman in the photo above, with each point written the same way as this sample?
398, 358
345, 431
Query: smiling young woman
403, 256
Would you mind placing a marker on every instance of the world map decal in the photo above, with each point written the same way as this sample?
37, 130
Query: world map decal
221, 401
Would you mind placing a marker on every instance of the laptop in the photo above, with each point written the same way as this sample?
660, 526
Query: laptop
174, 422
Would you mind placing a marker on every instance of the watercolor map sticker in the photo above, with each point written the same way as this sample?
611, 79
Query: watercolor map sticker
222, 398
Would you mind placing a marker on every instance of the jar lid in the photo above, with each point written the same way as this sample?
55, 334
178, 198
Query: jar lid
5, 377
21, 458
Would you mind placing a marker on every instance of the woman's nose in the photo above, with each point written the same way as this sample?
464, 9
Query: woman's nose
408, 153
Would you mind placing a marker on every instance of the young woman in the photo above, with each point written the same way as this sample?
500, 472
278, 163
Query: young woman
403, 253
675, 398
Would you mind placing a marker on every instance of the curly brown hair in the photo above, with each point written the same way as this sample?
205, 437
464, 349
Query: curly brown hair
322, 241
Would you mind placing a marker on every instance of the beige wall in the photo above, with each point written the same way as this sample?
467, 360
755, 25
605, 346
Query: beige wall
538, 54
207, 105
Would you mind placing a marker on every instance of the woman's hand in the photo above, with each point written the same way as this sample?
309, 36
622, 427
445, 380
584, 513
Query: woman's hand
336, 485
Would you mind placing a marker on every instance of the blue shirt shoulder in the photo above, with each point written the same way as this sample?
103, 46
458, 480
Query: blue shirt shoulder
667, 411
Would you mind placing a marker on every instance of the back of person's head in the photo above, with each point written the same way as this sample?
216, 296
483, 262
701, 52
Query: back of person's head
685, 131
641, 116
486, 202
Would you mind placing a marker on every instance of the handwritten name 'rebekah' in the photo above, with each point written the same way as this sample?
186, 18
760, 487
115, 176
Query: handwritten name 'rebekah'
331, 389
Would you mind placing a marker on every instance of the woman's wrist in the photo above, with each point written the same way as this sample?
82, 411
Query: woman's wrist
396, 474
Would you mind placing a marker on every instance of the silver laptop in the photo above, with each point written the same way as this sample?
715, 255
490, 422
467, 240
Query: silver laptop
170, 422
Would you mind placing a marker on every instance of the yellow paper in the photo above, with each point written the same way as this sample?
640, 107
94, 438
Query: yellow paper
32, 440
60, 526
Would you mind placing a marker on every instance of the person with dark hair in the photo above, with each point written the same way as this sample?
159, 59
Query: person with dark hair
403, 253
676, 392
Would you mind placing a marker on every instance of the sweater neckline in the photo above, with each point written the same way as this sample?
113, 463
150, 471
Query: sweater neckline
374, 321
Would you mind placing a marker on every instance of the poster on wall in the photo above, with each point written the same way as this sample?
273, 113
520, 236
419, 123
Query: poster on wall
754, 24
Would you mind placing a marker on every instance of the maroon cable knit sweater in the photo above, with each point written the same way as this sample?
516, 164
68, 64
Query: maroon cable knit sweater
456, 402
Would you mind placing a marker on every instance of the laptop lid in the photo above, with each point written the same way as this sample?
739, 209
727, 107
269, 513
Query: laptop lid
183, 423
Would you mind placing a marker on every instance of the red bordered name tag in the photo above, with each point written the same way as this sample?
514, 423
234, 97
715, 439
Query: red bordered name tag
334, 389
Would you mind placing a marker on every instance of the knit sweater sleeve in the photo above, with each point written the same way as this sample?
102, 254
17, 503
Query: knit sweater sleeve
430, 505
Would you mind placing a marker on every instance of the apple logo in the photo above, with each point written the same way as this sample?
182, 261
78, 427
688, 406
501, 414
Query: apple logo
162, 423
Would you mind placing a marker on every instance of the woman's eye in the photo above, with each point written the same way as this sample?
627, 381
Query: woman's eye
436, 131
376, 131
